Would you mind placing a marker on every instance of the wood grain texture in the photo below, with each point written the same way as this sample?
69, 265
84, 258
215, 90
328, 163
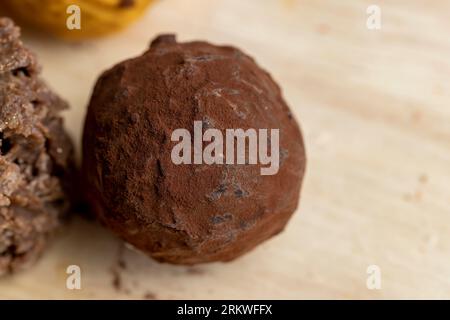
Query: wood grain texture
374, 108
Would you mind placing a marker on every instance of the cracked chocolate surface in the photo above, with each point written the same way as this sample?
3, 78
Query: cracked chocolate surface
35, 155
187, 214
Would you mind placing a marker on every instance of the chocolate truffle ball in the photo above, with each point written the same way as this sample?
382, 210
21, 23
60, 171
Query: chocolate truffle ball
35, 155
177, 212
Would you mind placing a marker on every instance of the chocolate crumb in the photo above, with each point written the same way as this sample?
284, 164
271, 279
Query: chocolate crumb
117, 280
150, 296
117, 268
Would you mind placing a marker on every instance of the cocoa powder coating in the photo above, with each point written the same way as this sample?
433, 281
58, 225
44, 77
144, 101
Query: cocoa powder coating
35, 155
187, 214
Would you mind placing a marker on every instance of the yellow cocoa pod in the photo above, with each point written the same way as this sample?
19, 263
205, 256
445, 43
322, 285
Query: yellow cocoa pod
60, 17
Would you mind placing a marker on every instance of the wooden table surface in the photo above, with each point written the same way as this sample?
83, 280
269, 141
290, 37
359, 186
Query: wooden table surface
374, 109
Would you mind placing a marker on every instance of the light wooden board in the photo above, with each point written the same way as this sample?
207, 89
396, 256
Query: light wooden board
374, 108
